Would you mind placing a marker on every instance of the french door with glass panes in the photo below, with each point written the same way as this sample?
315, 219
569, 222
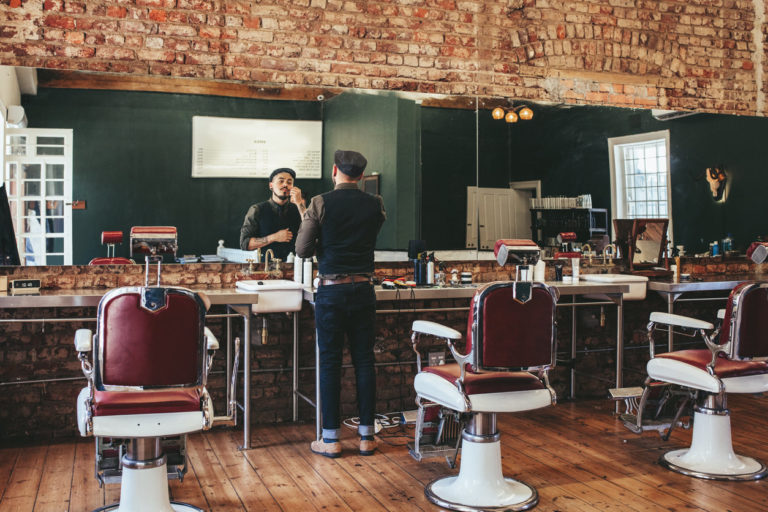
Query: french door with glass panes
38, 181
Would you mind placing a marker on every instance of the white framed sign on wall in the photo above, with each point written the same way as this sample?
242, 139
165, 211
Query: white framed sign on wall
226, 147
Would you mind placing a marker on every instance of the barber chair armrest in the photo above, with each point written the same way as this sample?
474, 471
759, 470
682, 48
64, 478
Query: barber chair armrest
680, 321
83, 340
435, 329
211, 340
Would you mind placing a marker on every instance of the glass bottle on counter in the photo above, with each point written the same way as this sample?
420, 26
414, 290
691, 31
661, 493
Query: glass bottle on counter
727, 244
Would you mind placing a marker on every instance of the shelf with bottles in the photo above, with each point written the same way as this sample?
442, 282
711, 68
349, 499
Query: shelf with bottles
587, 223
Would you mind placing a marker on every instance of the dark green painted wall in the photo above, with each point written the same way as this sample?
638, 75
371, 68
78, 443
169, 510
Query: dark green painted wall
132, 164
448, 167
381, 127
567, 149
132, 158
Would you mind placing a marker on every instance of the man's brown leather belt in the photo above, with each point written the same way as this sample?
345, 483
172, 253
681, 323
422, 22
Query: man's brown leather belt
345, 280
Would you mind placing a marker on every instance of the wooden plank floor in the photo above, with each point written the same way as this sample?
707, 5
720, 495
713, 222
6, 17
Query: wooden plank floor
577, 455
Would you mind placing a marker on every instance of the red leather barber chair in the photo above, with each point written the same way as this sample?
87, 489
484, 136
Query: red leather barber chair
510, 349
110, 239
733, 362
151, 355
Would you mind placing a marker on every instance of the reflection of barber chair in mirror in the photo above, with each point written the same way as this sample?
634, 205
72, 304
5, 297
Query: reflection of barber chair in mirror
734, 361
509, 351
111, 239
154, 240
146, 389
642, 242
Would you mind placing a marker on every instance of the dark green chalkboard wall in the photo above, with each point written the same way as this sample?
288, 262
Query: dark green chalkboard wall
132, 164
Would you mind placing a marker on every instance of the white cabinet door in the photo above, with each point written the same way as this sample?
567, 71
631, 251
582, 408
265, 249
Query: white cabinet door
500, 213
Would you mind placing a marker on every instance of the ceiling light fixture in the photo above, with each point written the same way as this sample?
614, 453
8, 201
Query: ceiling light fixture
513, 114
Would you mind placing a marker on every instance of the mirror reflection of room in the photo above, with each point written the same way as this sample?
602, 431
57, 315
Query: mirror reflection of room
628, 163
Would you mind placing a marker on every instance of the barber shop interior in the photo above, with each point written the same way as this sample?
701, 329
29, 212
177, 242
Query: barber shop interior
383, 256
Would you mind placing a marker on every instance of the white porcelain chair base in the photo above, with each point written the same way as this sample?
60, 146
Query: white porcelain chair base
711, 454
480, 484
144, 490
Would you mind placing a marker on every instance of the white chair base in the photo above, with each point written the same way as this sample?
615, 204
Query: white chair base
144, 484
480, 484
711, 453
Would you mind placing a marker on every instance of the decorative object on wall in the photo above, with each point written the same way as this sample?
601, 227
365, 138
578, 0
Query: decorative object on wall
511, 115
717, 179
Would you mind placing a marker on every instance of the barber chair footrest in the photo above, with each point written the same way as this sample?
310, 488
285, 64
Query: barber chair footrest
429, 451
660, 424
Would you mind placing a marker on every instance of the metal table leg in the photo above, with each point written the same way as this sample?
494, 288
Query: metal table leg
318, 403
295, 368
573, 348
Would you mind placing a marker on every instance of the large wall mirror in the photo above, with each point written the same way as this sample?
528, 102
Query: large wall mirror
439, 161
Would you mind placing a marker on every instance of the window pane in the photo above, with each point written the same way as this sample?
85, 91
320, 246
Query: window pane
640, 210
31, 188
50, 150
641, 194
54, 171
663, 209
663, 179
631, 210
650, 152
55, 260
54, 188
31, 171
32, 208
54, 208
54, 225
640, 181
51, 141
54, 245
653, 208
12, 171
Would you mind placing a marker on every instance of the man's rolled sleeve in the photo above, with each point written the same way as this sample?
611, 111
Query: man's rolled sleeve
309, 230
250, 227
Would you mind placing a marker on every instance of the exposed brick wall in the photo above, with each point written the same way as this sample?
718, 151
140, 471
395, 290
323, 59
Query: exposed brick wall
706, 55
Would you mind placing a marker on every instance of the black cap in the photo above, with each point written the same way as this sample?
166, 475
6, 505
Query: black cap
282, 169
350, 163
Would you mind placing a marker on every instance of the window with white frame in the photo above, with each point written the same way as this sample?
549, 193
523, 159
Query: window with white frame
37, 173
640, 178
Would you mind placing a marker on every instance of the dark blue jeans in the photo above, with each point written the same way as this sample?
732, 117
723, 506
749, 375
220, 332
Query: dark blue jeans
346, 310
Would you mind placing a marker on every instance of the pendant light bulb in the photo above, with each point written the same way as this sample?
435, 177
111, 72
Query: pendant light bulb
526, 114
511, 117
497, 113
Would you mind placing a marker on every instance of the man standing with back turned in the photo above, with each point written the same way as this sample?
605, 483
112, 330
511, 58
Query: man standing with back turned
341, 226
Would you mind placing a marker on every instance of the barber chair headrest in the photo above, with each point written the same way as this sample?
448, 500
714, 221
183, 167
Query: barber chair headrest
154, 240
567, 236
111, 237
758, 251
516, 251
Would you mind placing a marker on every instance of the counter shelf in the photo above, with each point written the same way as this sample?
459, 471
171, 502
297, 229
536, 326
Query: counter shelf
613, 293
